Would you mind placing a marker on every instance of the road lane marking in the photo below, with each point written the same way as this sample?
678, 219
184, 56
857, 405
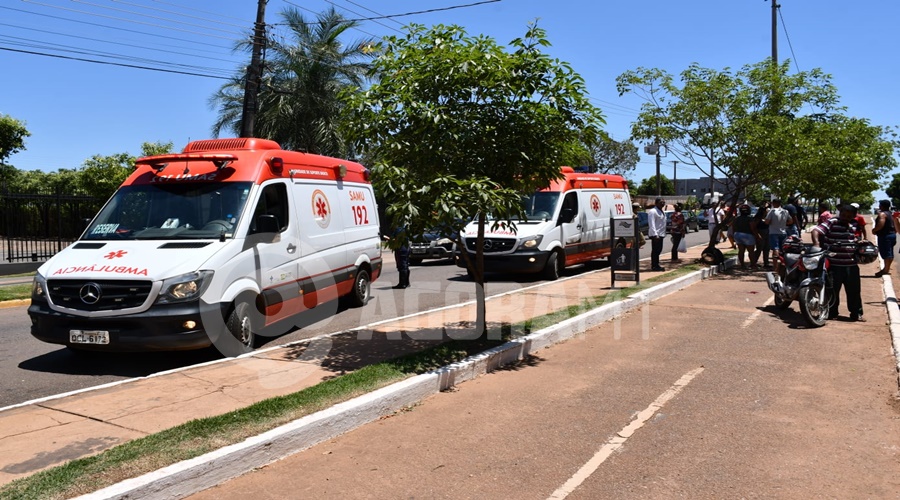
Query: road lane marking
749, 321
616, 442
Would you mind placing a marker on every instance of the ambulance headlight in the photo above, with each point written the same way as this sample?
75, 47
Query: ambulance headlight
38, 289
530, 242
184, 288
443, 241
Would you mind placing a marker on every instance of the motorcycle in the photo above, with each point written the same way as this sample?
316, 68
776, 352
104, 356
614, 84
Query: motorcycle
804, 278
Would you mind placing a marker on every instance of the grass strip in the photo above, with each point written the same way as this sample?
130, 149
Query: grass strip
15, 292
196, 437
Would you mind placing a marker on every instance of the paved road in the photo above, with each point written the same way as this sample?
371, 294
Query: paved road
31, 369
707, 393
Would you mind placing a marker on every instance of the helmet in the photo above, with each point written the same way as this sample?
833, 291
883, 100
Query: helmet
792, 244
866, 252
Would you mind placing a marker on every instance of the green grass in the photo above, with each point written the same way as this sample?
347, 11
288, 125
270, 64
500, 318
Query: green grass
13, 292
200, 436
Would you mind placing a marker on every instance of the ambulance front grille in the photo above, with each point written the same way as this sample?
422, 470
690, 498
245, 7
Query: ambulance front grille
493, 245
98, 295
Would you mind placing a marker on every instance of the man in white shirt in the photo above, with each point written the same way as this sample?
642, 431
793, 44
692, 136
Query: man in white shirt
657, 233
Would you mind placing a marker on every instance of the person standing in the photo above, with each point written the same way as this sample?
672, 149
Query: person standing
887, 236
401, 258
745, 235
839, 233
778, 220
712, 223
861, 231
678, 230
824, 213
762, 235
657, 232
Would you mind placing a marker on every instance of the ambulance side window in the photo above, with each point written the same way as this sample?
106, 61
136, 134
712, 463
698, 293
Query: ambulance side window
272, 201
569, 208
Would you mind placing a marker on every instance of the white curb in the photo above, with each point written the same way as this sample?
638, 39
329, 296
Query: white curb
893, 311
203, 472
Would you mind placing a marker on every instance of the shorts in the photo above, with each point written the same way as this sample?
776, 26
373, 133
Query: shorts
745, 239
775, 241
886, 246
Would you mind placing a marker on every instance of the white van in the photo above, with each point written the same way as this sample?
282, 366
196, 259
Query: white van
230, 239
565, 224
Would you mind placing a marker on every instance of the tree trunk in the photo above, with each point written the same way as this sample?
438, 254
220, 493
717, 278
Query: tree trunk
480, 298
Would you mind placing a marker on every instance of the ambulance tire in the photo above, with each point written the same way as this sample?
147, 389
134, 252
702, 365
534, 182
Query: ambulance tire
362, 289
240, 324
553, 267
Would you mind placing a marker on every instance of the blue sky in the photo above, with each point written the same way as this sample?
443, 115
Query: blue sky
76, 109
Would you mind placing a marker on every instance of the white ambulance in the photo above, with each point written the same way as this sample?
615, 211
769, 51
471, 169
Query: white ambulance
228, 240
565, 224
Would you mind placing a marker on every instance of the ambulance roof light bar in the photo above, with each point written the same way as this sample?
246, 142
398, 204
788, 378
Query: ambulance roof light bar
159, 162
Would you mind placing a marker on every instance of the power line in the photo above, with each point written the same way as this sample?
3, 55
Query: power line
113, 63
117, 43
155, 35
204, 18
358, 14
372, 11
414, 13
316, 22
133, 20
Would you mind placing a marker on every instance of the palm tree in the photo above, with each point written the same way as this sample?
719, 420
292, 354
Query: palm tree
299, 99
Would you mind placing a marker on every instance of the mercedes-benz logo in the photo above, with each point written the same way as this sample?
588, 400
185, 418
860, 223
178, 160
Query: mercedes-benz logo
90, 293
488, 244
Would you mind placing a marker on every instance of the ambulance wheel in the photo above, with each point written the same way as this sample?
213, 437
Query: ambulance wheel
240, 324
553, 267
362, 289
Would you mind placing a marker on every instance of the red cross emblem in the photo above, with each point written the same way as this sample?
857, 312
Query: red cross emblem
115, 254
321, 208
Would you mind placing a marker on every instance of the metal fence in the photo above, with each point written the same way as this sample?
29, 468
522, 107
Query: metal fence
34, 226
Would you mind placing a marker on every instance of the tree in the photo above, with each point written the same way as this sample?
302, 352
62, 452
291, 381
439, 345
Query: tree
299, 103
747, 128
101, 175
893, 190
12, 140
648, 186
460, 127
609, 156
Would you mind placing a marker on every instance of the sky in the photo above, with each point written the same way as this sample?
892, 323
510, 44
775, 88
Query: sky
76, 109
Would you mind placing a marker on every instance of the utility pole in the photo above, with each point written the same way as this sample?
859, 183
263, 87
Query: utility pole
675, 176
254, 72
775, 31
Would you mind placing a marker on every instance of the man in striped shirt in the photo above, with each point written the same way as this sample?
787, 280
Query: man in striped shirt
839, 235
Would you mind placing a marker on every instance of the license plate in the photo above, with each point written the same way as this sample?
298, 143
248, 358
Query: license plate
418, 250
88, 336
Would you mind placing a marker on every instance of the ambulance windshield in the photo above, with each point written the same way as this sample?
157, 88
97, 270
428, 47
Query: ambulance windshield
171, 211
540, 205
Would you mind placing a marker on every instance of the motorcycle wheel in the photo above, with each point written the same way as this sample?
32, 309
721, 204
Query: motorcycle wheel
814, 312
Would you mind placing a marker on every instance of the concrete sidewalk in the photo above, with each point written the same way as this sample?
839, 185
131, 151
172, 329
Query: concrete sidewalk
50, 431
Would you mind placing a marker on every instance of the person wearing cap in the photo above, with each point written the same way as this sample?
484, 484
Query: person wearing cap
839, 234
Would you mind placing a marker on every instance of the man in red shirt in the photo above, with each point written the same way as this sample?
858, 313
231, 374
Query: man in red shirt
860, 223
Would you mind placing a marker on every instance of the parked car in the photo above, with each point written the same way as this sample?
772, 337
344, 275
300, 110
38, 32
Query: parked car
643, 222
690, 220
702, 221
435, 244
